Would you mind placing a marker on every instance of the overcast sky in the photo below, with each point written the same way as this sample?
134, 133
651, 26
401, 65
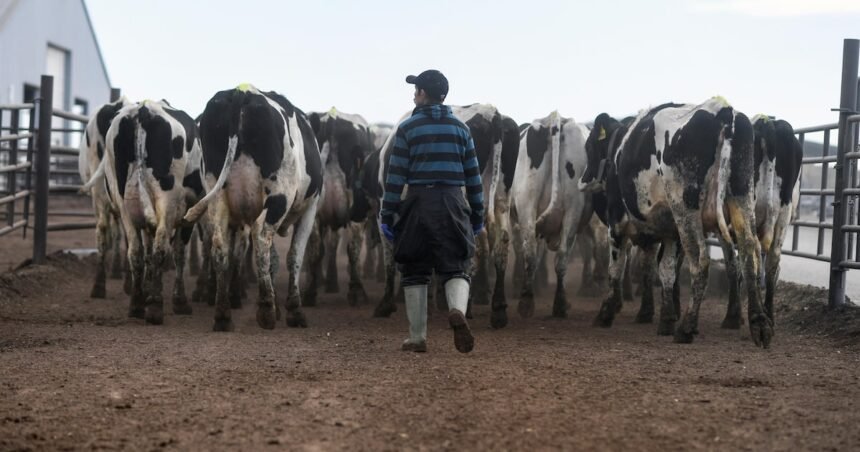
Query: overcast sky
780, 57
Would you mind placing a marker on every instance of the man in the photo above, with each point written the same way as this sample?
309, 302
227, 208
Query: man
434, 154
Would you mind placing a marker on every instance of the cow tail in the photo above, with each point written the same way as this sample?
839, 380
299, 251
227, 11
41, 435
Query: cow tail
140, 158
549, 222
96, 177
194, 213
724, 172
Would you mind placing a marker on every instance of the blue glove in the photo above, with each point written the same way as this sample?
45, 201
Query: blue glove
477, 228
387, 232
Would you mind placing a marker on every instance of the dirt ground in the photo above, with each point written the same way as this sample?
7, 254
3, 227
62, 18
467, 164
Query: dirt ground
76, 373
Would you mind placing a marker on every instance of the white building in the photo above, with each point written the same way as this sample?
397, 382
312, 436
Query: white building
53, 37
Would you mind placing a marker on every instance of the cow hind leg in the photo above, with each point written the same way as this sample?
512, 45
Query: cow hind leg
194, 254
301, 233
135, 252
263, 235
220, 260
526, 305
587, 286
155, 269
749, 250
103, 239
332, 238
180, 301
560, 304
733, 319
479, 293
356, 294
116, 271
610, 305
774, 254
316, 252
667, 270
238, 266
499, 307
200, 295
696, 251
386, 305
646, 308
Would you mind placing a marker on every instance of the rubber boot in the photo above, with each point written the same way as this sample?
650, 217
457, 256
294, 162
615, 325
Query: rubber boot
416, 312
457, 292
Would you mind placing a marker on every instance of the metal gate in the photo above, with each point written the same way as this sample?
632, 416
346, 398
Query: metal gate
31, 167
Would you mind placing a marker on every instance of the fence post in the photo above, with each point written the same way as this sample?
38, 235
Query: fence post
847, 107
114, 94
43, 164
12, 180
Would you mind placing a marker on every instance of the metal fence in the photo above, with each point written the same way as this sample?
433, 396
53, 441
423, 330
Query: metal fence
40, 169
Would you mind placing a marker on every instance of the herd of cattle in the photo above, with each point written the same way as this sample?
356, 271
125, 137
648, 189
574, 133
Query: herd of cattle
252, 165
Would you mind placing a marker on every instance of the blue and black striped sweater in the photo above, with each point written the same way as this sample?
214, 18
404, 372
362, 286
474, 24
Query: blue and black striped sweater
433, 147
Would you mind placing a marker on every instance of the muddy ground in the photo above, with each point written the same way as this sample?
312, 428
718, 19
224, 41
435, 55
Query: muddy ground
76, 373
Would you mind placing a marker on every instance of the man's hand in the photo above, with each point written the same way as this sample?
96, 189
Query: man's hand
387, 232
477, 228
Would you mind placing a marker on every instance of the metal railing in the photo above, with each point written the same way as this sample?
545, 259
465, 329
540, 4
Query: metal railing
11, 167
47, 169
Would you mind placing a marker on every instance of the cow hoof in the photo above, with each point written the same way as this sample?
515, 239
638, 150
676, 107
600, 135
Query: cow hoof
181, 307
154, 315
559, 310
356, 295
296, 319
116, 272
682, 337
136, 313
645, 316
605, 317
618, 306
761, 330
223, 325
384, 310
499, 318
98, 291
126, 285
266, 317
526, 307
732, 323
686, 332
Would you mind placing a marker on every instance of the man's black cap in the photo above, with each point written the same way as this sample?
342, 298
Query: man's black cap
431, 81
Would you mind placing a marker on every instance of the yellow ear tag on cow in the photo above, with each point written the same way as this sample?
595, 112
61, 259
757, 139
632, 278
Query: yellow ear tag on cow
602, 134
333, 112
244, 87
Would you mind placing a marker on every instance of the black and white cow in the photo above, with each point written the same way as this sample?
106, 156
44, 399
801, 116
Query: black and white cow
150, 150
546, 204
108, 227
344, 140
263, 165
677, 171
778, 162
